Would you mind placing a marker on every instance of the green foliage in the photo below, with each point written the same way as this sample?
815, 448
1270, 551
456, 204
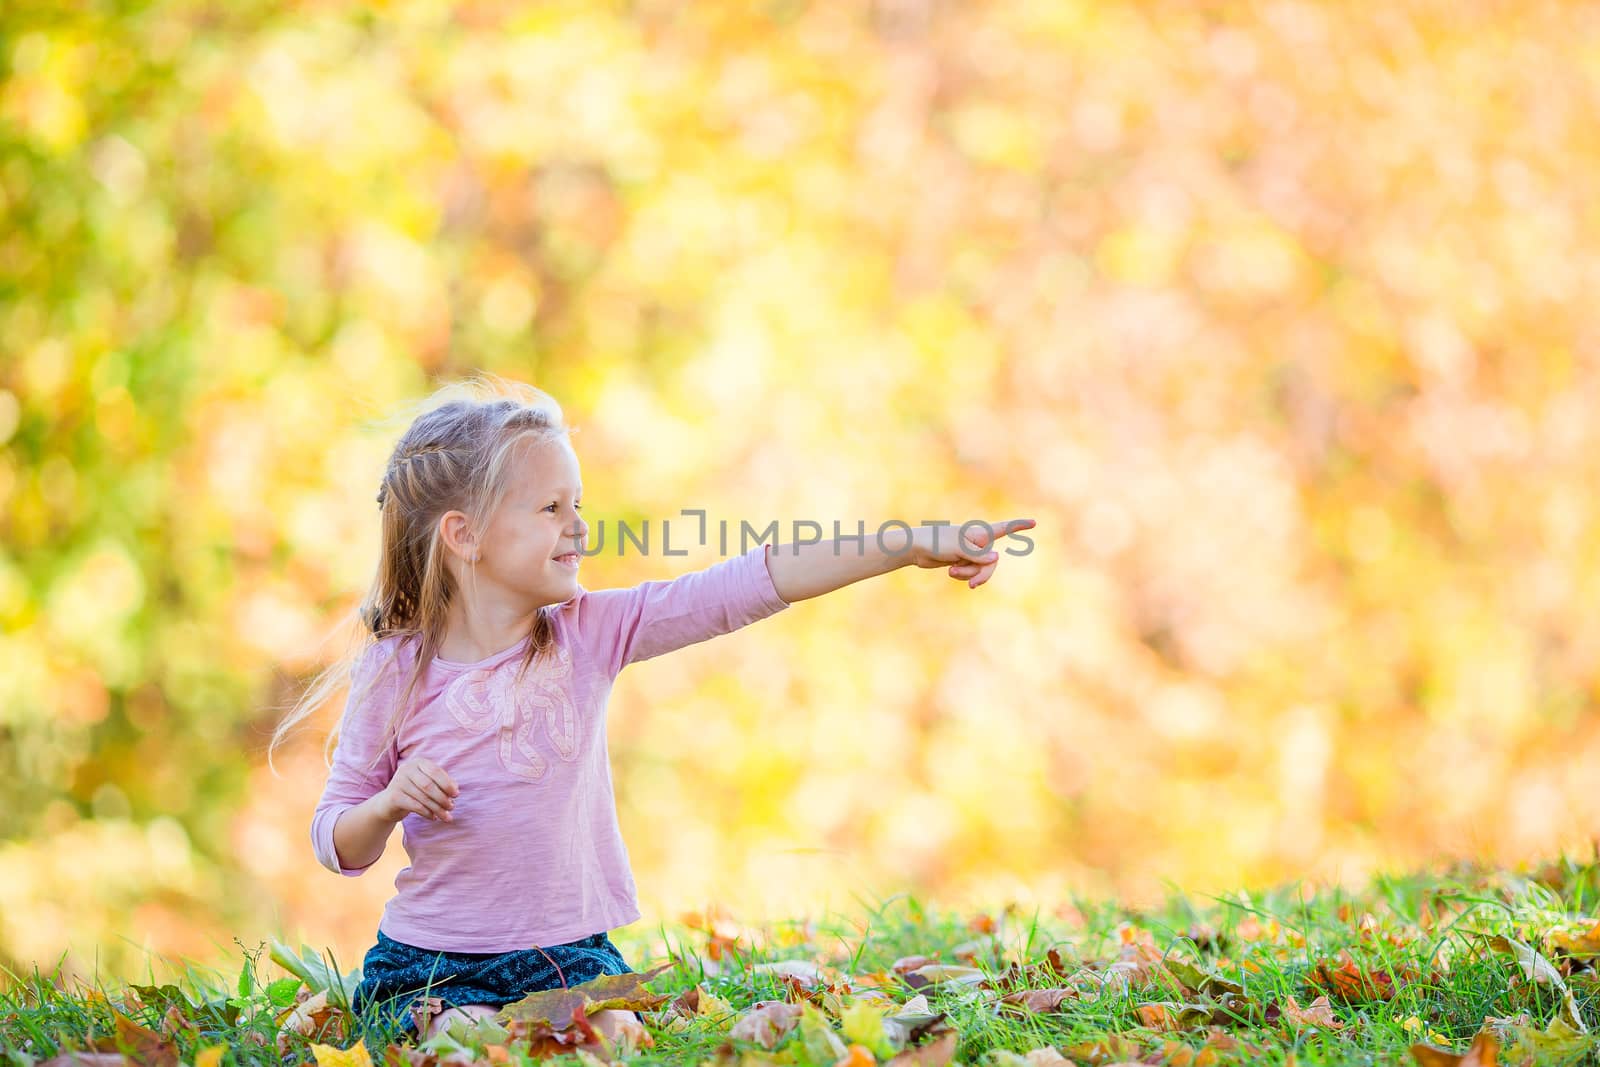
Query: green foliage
317, 971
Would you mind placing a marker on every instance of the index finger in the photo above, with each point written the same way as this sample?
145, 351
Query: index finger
1000, 529
440, 778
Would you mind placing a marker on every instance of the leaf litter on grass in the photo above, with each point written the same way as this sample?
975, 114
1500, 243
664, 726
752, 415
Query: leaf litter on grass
1317, 982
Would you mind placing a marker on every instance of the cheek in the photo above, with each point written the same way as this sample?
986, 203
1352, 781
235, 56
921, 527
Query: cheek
538, 536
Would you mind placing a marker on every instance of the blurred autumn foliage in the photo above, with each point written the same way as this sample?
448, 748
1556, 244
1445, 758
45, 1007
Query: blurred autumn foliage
1276, 315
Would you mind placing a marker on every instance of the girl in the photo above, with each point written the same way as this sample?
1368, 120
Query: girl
476, 709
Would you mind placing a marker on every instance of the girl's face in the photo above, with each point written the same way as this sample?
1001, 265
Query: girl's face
534, 542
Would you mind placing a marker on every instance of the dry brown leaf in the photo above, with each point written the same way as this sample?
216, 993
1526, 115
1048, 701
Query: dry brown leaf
555, 1006
1350, 982
936, 1053
1172, 1015
1035, 1001
1218, 1046
140, 1044
804, 971
1483, 1052
1104, 1051
576, 1034
1045, 1057
1318, 1013
697, 1001
311, 1018
933, 973
423, 1009
911, 963
766, 1022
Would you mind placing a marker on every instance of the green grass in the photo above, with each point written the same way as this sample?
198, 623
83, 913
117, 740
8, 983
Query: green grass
1430, 957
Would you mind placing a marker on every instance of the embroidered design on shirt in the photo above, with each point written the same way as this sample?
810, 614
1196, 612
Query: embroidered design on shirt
491, 698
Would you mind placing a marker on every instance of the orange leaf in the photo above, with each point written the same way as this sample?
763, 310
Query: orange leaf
1482, 1053
856, 1056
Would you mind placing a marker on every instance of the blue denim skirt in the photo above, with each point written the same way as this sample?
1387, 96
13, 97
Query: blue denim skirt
394, 975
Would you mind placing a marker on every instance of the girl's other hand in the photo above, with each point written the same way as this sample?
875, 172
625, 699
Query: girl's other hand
420, 786
970, 556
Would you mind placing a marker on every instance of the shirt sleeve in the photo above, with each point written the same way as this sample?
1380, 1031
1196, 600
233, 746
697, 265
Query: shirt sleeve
374, 687
623, 626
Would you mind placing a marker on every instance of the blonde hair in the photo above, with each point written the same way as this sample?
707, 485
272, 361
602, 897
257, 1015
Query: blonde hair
455, 455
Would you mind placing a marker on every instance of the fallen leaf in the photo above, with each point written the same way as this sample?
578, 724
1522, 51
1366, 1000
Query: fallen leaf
804, 971
1219, 1044
862, 1023
1104, 1051
423, 1009
311, 1018
555, 1006
913, 1019
1171, 1015
140, 1044
1043, 1057
856, 1056
934, 973
1558, 1041
1581, 944
766, 1022
1037, 1057
936, 1053
697, 1001
1199, 981
821, 1044
329, 1056
1034, 1001
1542, 971
1482, 1053
1319, 1013
911, 963
174, 1022
1350, 982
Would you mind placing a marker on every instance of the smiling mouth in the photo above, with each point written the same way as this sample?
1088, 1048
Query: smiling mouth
570, 559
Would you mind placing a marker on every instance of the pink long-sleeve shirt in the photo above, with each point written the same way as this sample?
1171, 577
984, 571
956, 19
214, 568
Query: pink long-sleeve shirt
534, 854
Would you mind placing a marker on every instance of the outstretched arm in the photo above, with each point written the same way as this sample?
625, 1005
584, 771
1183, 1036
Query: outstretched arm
617, 627
807, 569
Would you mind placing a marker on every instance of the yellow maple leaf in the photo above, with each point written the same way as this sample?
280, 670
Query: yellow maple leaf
211, 1056
354, 1056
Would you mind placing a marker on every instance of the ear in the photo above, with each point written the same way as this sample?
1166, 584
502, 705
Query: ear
458, 536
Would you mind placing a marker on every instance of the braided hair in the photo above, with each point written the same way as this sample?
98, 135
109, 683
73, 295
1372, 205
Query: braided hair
456, 455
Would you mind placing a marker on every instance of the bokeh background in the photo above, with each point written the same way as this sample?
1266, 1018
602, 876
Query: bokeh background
1279, 317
